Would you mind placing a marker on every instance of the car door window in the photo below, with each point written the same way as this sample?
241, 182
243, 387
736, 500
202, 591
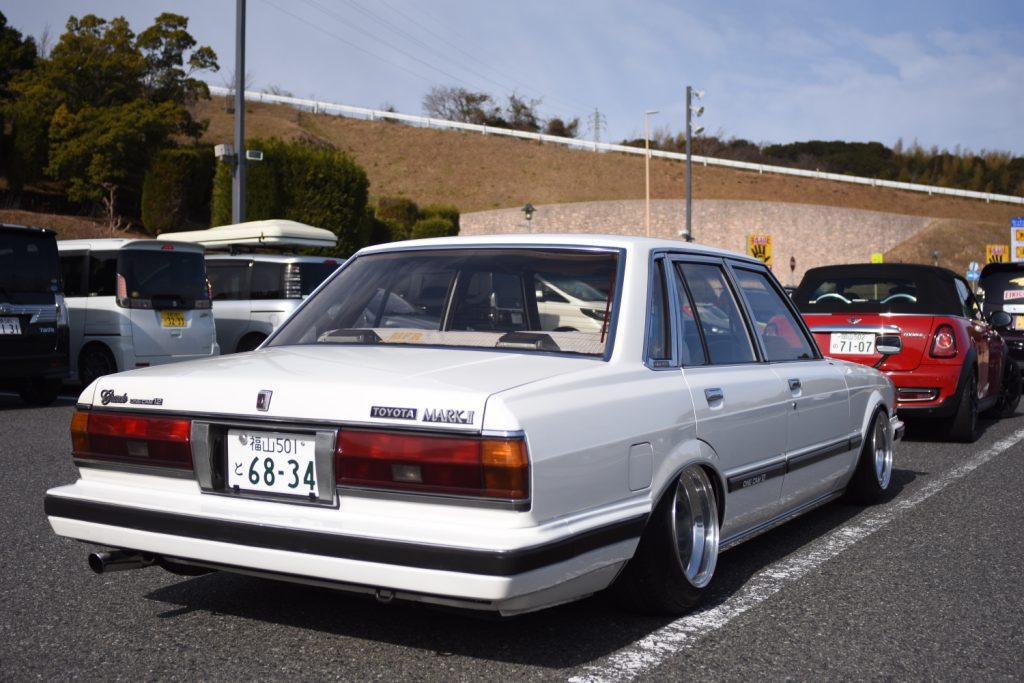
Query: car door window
713, 308
781, 336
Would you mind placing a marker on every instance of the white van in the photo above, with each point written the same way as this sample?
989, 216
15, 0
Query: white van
135, 303
255, 285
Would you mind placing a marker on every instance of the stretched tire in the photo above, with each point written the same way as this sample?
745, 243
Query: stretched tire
873, 475
95, 361
964, 427
1009, 391
677, 554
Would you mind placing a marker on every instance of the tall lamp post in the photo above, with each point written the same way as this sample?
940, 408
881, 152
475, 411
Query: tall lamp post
691, 112
238, 175
647, 172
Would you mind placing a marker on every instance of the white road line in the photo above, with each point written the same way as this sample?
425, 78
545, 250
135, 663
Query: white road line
647, 653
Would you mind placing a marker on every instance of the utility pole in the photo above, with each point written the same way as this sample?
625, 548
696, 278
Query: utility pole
691, 110
238, 170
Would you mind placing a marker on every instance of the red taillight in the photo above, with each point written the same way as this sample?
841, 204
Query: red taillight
944, 342
132, 439
491, 468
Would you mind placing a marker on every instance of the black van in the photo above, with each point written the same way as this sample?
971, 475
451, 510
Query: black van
33, 316
1003, 284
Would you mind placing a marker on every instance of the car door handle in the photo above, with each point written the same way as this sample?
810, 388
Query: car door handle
795, 386
714, 395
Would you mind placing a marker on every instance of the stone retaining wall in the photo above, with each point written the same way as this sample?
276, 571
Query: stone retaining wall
814, 235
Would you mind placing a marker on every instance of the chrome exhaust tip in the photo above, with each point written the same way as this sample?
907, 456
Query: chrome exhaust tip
119, 560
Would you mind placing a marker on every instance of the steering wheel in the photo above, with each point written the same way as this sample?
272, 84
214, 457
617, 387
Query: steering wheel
832, 295
900, 296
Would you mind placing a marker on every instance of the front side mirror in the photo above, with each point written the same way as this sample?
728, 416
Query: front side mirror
1000, 319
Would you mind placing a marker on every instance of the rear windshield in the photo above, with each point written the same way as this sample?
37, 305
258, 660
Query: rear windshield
827, 293
1003, 287
28, 267
480, 298
164, 274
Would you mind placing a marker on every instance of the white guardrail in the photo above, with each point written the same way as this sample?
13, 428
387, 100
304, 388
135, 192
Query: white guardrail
317, 106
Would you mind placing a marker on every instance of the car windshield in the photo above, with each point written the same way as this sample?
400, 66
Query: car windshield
28, 265
477, 298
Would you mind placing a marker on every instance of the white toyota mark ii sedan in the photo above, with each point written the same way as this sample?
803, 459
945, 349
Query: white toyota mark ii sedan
421, 429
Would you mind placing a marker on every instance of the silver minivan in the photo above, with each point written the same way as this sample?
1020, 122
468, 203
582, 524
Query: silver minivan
254, 293
134, 303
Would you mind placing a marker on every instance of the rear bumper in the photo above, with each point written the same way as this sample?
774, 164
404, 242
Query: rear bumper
942, 382
508, 578
47, 366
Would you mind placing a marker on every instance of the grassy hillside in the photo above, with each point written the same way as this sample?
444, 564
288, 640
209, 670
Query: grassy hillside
476, 172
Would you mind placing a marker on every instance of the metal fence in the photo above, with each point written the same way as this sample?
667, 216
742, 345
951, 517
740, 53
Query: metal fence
317, 106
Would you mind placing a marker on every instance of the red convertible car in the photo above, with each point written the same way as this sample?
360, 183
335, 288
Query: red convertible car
922, 326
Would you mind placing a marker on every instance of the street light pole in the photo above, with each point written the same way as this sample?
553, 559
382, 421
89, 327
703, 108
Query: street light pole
647, 172
690, 111
238, 174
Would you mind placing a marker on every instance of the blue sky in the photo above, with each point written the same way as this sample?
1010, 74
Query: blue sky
942, 73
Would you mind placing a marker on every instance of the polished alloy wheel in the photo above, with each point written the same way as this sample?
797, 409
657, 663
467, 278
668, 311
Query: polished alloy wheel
695, 523
881, 446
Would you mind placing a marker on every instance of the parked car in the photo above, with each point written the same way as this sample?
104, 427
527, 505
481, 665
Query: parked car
33, 315
454, 448
922, 326
135, 303
254, 293
1003, 286
255, 284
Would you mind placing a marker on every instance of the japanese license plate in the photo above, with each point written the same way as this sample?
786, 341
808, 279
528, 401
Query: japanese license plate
852, 343
10, 326
172, 318
272, 462
1018, 322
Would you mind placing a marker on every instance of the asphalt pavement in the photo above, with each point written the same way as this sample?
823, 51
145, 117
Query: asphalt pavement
925, 586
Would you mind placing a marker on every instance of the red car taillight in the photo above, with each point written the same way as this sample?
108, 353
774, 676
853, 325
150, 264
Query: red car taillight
943, 342
490, 468
132, 439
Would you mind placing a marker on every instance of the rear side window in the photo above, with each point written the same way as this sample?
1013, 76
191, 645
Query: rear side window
229, 281
102, 274
72, 269
267, 281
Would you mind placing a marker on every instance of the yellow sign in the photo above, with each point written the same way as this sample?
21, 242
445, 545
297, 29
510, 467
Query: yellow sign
760, 247
1018, 253
997, 253
877, 257
1018, 234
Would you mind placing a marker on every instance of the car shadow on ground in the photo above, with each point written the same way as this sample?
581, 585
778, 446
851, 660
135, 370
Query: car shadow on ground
563, 637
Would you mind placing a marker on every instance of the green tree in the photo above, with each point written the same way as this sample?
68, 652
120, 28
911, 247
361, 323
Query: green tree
94, 112
17, 55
